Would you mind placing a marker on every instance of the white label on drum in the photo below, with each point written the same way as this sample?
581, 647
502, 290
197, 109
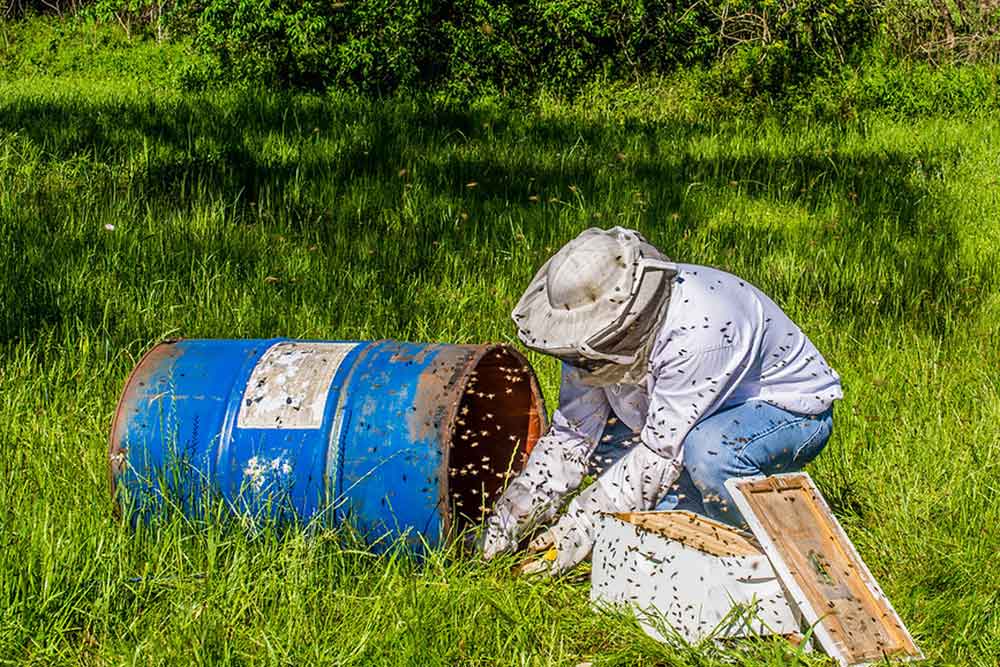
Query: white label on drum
289, 385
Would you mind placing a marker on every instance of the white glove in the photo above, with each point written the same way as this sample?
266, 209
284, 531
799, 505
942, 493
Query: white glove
518, 511
573, 535
637, 481
554, 468
500, 534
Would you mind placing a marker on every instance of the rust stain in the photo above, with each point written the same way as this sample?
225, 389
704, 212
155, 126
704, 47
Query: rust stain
439, 387
420, 357
435, 405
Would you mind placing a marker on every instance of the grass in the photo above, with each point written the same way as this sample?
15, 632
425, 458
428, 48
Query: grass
878, 234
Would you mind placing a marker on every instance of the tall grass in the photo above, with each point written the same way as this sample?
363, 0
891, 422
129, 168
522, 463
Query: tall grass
130, 212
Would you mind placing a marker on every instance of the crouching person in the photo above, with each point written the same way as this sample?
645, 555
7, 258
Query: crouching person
675, 377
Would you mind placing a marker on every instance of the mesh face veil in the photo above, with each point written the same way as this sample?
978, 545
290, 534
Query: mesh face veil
598, 299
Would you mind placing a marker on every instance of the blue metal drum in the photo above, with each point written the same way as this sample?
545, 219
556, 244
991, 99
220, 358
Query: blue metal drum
401, 439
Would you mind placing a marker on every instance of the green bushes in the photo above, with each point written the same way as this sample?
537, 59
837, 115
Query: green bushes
315, 44
734, 50
477, 46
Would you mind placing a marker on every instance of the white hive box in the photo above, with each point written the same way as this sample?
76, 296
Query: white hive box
798, 570
697, 576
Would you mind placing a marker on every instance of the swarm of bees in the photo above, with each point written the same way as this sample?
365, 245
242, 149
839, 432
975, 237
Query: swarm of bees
488, 436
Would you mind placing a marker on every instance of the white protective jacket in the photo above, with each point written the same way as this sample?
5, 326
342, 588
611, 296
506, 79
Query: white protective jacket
723, 342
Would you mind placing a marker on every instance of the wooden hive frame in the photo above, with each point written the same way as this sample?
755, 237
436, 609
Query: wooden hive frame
822, 571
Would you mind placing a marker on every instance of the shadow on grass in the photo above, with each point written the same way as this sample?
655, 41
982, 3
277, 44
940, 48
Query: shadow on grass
887, 261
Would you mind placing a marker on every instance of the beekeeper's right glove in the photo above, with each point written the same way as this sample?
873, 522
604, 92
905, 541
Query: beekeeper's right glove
518, 510
555, 468
571, 539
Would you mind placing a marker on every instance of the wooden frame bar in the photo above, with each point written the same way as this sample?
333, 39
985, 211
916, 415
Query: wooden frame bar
826, 578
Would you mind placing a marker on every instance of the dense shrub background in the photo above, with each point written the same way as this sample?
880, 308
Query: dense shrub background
511, 45
746, 48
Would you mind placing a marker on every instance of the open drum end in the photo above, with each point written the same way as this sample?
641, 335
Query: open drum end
498, 420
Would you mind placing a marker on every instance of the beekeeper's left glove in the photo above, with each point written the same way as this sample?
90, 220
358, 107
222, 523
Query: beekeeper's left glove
637, 481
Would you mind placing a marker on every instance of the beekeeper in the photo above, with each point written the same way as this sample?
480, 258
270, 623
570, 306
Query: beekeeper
675, 377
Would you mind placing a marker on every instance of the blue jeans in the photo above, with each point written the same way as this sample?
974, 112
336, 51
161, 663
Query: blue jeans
755, 438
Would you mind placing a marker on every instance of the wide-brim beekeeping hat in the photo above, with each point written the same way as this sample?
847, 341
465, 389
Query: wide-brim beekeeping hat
597, 298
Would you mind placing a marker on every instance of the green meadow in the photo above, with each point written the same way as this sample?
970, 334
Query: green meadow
132, 210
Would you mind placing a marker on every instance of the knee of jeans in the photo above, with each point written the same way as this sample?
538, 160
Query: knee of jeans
809, 449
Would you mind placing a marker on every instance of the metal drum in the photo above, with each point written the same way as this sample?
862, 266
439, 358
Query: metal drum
398, 438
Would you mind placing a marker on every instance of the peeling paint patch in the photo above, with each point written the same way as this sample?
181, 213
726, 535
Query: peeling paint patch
289, 385
260, 471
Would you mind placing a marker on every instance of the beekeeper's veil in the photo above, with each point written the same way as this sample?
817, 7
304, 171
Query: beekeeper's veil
601, 298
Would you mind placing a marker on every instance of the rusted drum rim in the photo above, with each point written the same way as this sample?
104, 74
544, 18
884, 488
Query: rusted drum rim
118, 455
537, 418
